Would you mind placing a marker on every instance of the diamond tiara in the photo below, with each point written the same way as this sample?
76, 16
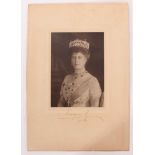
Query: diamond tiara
79, 43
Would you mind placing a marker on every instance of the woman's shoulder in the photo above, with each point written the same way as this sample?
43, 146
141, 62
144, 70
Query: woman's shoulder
92, 78
93, 82
68, 77
94, 86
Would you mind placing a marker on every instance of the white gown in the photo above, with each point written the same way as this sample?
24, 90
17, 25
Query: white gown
89, 98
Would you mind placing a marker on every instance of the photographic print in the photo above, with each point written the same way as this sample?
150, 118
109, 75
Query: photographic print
77, 69
78, 77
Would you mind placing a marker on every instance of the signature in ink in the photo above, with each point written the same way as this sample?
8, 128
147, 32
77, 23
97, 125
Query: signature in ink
81, 116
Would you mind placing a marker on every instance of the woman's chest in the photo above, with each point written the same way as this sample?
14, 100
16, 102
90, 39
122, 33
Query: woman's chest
75, 94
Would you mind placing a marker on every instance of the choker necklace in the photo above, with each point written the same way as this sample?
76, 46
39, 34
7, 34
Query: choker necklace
76, 75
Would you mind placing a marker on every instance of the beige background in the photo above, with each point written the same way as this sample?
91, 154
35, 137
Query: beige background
104, 128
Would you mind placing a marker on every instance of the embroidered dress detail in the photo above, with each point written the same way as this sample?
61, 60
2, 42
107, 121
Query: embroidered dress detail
81, 90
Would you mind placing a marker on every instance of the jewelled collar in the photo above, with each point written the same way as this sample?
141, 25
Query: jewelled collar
76, 75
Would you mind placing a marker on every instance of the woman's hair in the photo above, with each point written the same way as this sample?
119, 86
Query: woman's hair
84, 51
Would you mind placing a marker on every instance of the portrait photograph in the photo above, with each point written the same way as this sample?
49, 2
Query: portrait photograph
78, 77
77, 69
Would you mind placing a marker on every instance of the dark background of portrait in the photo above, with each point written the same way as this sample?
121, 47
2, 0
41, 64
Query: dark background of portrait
61, 63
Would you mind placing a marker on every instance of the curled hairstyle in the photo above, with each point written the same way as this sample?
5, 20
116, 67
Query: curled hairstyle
84, 51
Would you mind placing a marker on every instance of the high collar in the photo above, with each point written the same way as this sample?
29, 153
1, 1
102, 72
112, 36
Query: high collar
80, 71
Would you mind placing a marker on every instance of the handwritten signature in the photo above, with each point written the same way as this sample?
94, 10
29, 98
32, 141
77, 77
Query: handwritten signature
81, 116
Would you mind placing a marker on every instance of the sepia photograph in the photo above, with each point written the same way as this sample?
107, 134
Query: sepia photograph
78, 77
77, 69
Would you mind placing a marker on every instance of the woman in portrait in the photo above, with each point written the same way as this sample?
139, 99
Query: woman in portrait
79, 89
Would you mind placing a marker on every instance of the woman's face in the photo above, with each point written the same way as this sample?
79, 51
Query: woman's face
78, 60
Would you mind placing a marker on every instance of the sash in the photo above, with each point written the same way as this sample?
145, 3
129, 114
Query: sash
79, 91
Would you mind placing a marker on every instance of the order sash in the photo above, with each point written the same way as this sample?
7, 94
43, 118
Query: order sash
79, 91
